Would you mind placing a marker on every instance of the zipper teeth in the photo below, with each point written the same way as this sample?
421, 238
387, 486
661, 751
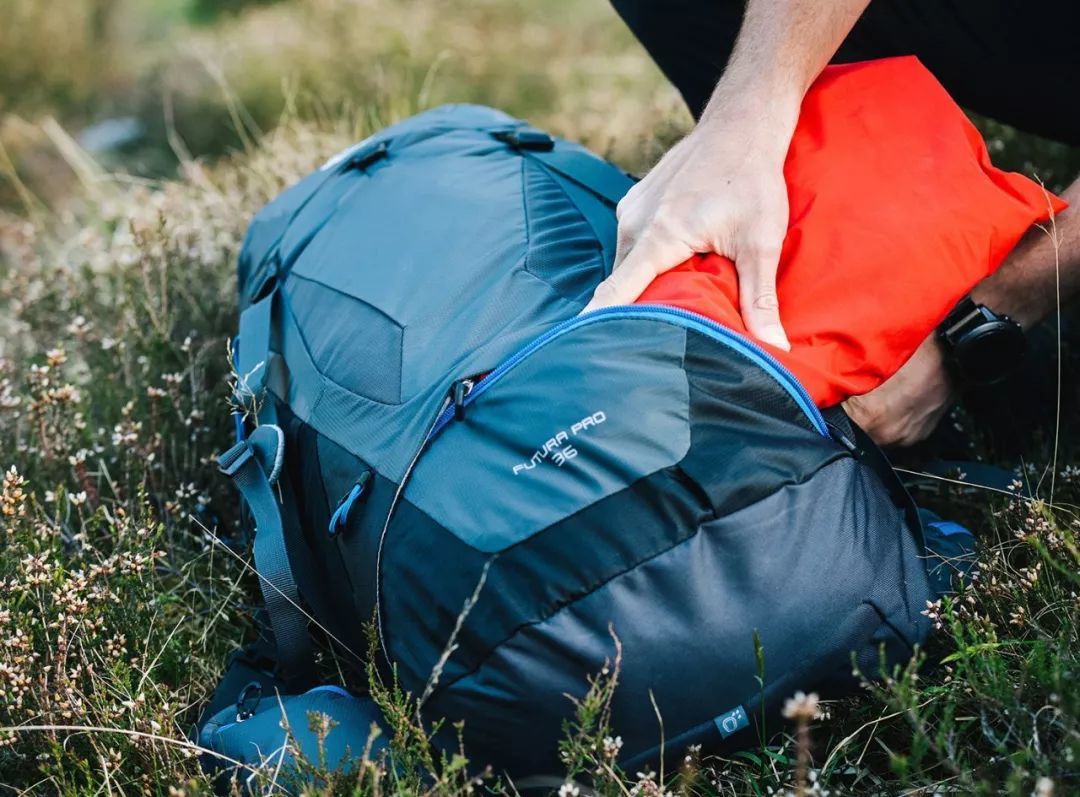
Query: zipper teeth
733, 339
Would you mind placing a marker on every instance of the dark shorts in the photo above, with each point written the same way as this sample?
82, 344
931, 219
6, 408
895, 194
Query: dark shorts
1017, 62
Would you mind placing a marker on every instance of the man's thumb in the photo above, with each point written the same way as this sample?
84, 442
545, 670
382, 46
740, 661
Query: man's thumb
758, 300
647, 258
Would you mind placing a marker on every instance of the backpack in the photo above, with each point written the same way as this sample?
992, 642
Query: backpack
430, 436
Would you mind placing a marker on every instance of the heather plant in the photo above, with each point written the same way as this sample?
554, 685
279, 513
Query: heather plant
117, 601
120, 599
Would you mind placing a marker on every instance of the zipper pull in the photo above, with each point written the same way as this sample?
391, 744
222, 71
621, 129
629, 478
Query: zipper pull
838, 435
340, 517
458, 393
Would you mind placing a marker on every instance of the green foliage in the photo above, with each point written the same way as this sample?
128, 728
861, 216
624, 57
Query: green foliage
209, 11
117, 605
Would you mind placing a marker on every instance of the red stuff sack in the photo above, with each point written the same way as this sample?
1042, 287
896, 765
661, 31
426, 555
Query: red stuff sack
895, 214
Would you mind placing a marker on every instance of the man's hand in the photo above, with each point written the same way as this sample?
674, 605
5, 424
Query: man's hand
721, 189
1026, 287
907, 407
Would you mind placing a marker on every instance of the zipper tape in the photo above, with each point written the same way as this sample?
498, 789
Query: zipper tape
693, 321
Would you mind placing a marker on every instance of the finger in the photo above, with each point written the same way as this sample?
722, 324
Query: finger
758, 300
624, 240
869, 413
647, 258
631, 222
856, 410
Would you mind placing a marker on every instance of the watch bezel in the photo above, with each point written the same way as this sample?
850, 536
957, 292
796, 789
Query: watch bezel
966, 330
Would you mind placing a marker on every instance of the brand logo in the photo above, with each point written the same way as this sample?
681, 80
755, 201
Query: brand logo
731, 721
559, 448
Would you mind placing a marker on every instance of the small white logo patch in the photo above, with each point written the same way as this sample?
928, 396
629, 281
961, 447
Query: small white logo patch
559, 448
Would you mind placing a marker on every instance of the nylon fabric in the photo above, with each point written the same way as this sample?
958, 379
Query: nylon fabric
686, 620
533, 579
280, 727
628, 468
578, 164
563, 249
348, 338
748, 439
549, 451
253, 356
895, 213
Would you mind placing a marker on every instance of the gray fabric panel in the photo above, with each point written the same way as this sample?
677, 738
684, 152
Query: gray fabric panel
386, 435
802, 567
359, 347
436, 240
563, 249
432, 241
585, 416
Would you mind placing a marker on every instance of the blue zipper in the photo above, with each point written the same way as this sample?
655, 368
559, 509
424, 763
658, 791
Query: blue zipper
684, 318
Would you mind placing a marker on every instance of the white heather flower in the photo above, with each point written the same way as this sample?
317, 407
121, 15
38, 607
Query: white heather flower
79, 326
79, 498
612, 746
801, 706
569, 789
1044, 787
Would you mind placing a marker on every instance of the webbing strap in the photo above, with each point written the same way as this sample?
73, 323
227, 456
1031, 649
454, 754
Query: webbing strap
276, 578
602, 178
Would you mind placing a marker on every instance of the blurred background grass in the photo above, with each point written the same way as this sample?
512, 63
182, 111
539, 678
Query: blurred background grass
143, 84
137, 137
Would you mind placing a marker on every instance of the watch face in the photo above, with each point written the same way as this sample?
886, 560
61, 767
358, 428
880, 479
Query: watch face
990, 352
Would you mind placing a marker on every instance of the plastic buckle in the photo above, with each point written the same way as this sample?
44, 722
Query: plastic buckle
232, 460
248, 701
367, 156
527, 139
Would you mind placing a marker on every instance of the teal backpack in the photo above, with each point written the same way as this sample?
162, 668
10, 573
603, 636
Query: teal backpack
431, 438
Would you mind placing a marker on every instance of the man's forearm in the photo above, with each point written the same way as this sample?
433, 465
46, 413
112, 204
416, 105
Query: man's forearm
782, 47
1026, 286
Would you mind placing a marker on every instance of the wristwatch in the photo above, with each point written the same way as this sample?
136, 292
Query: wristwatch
981, 347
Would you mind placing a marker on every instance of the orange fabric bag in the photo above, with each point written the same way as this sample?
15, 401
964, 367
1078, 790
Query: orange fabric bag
895, 214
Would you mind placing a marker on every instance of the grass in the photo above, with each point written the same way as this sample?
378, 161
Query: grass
199, 90
116, 301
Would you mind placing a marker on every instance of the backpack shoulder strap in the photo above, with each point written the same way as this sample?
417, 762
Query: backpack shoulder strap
254, 465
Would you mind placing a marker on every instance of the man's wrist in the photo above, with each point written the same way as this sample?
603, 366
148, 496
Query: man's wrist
758, 102
981, 347
768, 132
994, 293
